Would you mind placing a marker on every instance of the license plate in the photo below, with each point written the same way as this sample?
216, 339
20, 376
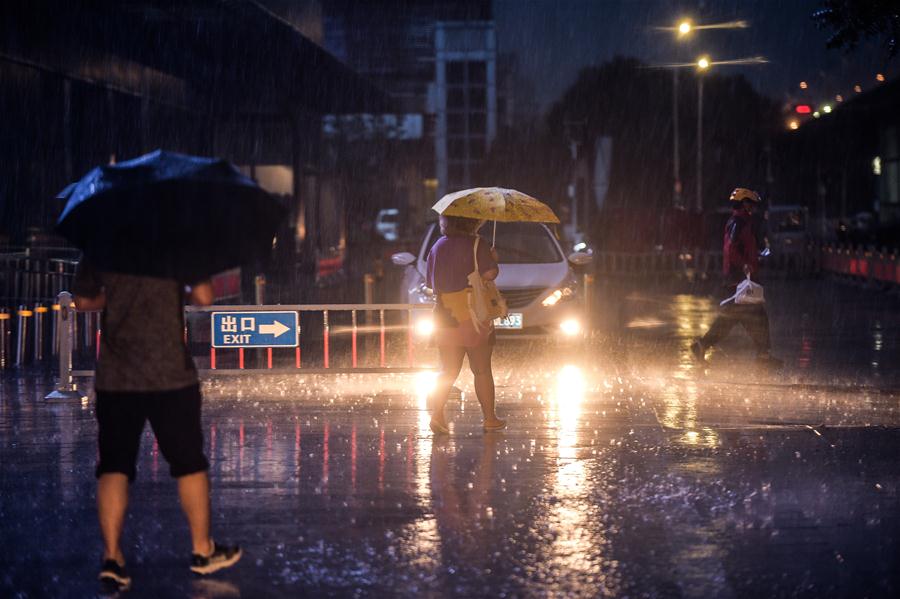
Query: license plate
511, 321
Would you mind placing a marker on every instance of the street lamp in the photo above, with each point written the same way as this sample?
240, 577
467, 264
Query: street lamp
702, 66
684, 28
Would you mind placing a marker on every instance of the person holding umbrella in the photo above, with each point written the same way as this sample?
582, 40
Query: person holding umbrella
452, 262
145, 373
142, 227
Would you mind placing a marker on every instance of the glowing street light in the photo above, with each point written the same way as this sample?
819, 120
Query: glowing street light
879, 77
803, 85
793, 125
857, 88
827, 109
684, 29
702, 65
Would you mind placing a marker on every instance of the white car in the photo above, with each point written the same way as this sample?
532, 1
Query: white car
536, 278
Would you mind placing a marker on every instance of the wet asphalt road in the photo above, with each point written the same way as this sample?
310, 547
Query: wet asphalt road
626, 471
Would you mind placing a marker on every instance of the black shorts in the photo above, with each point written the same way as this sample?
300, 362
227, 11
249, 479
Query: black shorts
174, 417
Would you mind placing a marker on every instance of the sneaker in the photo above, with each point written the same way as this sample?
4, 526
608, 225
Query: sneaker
698, 351
222, 556
114, 576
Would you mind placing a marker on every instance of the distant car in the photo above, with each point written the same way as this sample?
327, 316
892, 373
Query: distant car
387, 224
536, 278
787, 229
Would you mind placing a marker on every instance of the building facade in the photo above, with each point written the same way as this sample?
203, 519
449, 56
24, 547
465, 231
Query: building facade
107, 81
437, 59
465, 100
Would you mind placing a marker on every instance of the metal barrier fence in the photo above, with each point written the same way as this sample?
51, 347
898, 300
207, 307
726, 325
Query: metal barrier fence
696, 262
28, 335
332, 338
639, 264
27, 278
374, 337
860, 265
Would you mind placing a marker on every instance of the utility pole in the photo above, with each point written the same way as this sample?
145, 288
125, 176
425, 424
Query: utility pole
676, 163
699, 205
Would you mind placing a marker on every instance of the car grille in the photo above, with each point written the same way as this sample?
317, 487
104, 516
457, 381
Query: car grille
521, 296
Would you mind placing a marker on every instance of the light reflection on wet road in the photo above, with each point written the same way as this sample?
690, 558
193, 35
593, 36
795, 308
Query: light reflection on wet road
625, 471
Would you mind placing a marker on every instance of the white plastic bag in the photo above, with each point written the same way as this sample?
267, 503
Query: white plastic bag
747, 293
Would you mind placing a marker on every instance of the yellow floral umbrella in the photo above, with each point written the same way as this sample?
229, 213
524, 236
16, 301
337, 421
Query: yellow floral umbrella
496, 204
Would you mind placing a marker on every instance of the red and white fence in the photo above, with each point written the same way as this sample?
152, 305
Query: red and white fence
862, 265
332, 338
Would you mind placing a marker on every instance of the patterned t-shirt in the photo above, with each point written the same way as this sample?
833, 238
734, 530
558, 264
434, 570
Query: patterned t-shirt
142, 344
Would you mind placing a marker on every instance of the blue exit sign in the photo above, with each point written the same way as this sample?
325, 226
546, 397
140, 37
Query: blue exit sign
255, 329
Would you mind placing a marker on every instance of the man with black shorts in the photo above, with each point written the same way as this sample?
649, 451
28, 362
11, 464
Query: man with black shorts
144, 372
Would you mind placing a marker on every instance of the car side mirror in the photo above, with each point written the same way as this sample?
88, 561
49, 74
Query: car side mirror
403, 259
580, 258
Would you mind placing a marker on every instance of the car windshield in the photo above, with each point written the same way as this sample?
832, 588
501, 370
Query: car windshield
517, 243
787, 221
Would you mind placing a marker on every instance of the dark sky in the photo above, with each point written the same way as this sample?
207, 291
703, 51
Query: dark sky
554, 39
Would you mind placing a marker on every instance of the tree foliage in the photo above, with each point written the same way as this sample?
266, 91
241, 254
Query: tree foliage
852, 20
632, 104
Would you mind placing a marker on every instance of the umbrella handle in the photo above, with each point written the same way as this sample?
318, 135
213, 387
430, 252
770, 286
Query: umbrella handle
494, 240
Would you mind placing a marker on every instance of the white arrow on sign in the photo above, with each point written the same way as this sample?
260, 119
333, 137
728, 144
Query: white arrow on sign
275, 329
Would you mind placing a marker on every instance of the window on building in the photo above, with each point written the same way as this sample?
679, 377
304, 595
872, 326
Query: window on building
477, 148
478, 123
456, 99
456, 73
456, 148
477, 98
477, 71
456, 124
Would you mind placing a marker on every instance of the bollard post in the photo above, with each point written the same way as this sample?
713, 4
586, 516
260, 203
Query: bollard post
40, 313
325, 330
22, 335
88, 329
588, 300
54, 330
4, 339
259, 289
381, 336
353, 338
369, 298
369, 293
65, 386
259, 295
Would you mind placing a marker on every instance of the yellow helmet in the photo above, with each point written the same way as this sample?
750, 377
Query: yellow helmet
742, 194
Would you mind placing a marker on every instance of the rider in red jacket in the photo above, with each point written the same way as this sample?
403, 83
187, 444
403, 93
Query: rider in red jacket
740, 257
740, 254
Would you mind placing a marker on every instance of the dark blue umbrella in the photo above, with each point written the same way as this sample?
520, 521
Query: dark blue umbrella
170, 215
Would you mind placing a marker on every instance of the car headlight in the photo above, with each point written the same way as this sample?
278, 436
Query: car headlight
570, 327
424, 327
558, 295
